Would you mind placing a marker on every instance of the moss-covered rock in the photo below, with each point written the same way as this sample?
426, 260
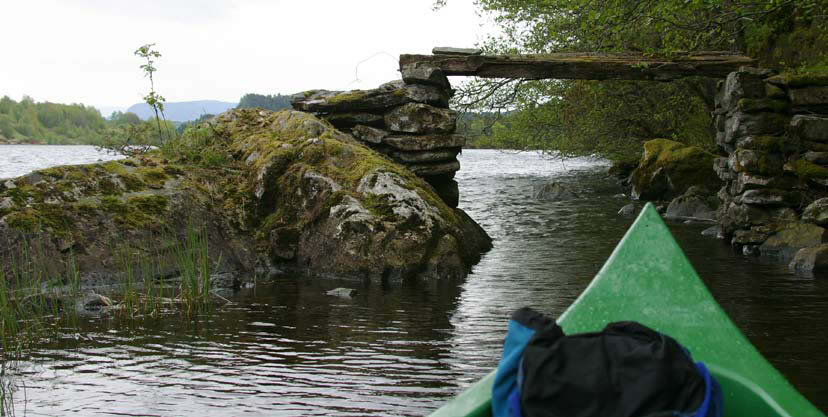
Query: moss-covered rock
807, 170
291, 192
799, 79
795, 236
668, 168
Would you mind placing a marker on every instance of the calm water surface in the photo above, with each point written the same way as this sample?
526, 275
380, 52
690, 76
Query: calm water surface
16, 160
285, 348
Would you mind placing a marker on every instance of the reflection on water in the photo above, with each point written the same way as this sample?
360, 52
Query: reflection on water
285, 348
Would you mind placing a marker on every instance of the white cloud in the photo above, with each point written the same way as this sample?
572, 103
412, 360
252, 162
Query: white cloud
81, 51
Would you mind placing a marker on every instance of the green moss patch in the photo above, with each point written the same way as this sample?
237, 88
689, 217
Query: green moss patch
154, 177
798, 79
806, 169
678, 167
150, 204
749, 105
348, 97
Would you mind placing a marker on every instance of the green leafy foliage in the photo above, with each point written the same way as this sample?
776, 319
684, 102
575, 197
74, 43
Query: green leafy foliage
153, 99
613, 118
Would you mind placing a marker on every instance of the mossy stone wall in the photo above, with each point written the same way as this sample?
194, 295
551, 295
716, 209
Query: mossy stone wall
774, 129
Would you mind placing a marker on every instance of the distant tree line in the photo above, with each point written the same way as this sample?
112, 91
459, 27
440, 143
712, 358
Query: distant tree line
49, 123
72, 124
267, 102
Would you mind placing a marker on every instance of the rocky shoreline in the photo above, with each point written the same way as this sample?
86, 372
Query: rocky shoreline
771, 174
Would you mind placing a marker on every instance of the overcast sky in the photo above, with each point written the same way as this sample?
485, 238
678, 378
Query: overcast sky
82, 51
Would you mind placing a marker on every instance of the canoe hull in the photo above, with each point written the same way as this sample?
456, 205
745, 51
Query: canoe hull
648, 279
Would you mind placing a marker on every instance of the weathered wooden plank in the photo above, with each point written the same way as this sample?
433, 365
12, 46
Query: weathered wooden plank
584, 66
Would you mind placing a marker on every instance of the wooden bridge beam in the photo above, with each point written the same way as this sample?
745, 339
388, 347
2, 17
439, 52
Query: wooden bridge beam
583, 66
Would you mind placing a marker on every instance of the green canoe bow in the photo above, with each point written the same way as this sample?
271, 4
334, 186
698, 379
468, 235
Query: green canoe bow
648, 279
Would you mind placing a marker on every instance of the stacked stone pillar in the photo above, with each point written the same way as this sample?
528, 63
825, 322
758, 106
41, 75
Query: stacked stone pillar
774, 129
408, 120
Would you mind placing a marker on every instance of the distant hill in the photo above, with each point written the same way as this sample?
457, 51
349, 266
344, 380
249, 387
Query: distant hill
183, 111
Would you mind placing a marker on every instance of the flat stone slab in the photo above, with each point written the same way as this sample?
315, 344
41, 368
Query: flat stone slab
579, 66
415, 157
809, 97
445, 50
346, 120
424, 142
820, 158
810, 128
377, 100
770, 197
433, 169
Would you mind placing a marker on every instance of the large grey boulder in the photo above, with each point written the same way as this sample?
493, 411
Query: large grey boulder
293, 194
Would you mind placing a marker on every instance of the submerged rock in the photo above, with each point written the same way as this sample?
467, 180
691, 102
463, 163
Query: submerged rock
715, 231
813, 259
628, 211
692, 205
552, 191
280, 191
342, 292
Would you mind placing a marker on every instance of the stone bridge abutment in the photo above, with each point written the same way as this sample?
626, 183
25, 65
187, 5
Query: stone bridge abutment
773, 128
